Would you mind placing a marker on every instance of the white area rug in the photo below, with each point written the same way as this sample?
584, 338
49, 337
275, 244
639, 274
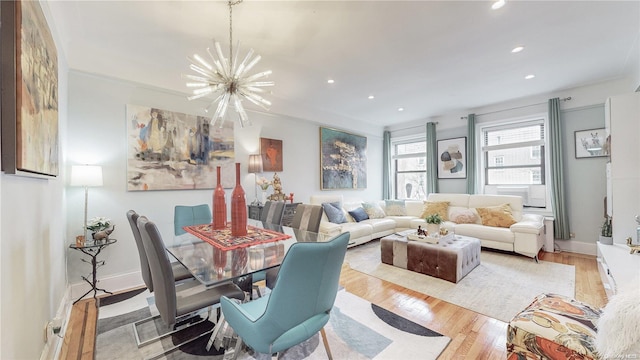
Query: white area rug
500, 287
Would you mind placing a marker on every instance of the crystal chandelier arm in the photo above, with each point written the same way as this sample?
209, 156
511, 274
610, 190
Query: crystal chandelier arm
196, 78
257, 99
241, 67
201, 71
256, 76
252, 63
197, 58
223, 60
244, 119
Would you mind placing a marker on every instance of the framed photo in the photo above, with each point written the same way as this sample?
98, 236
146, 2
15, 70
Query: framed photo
590, 143
343, 160
452, 158
168, 150
271, 152
30, 135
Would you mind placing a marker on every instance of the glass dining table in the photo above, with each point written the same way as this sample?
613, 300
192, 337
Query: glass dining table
212, 265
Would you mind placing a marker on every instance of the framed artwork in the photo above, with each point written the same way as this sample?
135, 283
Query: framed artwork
590, 143
452, 158
30, 135
343, 160
271, 152
168, 150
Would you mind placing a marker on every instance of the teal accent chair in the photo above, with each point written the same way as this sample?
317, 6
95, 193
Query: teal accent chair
184, 215
299, 304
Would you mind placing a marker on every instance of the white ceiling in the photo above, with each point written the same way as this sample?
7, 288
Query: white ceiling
429, 57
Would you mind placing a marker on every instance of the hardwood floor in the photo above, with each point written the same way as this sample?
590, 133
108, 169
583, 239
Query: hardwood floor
473, 336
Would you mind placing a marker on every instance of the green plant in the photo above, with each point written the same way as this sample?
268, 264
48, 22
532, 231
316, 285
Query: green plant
433, 219
606, 227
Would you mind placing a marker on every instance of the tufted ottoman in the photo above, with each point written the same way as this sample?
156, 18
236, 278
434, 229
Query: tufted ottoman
449, 260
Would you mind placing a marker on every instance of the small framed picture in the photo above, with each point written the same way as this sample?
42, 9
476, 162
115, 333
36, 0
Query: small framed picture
452, 158
590, 143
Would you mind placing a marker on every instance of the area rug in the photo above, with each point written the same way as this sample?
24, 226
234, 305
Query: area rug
500, 287
357, 330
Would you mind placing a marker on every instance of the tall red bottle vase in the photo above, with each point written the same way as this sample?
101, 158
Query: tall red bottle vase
238, 208
219, 206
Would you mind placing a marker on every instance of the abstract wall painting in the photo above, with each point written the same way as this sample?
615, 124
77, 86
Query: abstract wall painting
452, 158
169, 150
29, 91
271, 152
343, 160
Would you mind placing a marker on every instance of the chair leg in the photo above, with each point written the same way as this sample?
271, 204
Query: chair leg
236, 350
162, 336
326, 343
215, 332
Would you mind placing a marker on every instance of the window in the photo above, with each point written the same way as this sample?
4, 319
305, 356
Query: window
410, 165
513, 158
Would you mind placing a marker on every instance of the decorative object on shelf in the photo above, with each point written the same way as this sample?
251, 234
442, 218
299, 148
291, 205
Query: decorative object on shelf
219, 205
343, 160
30, 131
264, 185
100, 228
277, 195
433, 224
228, 79
590, 143
605, 232
255, 167
452, 158
169, 150
238, 208
271, 152
291, 197
634, 248
86, 175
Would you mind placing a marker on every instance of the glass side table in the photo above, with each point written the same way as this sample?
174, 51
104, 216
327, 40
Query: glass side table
93, 250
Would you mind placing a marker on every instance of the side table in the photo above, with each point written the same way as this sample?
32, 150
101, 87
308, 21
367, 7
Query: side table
93, 250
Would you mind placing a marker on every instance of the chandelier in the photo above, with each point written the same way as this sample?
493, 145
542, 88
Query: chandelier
228, 79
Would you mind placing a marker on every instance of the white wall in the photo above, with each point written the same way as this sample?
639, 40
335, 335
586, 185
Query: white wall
97, 134
33, 251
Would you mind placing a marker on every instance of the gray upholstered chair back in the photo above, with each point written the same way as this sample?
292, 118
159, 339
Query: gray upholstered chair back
307, 217
272, 212
164, 286
133, 216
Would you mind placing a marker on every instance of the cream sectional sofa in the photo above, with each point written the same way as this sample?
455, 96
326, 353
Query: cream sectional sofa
524, 237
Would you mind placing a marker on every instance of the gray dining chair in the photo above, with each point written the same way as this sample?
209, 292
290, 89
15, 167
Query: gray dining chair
272, 212
307, 218
176, 301
179, 271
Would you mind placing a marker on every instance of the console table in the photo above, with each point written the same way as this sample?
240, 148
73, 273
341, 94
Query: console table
617, 267
287, 218
93, 250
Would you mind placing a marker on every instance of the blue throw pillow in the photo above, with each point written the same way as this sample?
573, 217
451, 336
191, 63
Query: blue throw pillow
358, 214
334, 212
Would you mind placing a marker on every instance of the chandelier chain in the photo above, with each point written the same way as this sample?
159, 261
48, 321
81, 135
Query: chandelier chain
231, 4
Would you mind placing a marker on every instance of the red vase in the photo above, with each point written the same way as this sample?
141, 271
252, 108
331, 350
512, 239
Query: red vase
219, 206
238, 208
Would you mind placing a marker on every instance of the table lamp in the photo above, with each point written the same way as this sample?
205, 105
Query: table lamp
255, 167
86, 175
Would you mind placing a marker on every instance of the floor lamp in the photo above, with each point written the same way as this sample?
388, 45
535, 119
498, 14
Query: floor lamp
255, 167
86, 175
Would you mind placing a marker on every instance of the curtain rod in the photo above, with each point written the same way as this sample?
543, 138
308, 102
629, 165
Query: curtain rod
514, 108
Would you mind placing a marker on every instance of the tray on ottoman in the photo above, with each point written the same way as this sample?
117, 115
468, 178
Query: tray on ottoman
451, 259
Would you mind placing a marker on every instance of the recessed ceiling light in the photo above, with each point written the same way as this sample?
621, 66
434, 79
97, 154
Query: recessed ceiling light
371, 97
330, 81
530, 76
517, 49
400, 109
497, 5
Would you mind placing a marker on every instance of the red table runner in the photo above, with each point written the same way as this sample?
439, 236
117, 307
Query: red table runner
222, 239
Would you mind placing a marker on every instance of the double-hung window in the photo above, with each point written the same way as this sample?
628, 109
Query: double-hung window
514, 160
410, 165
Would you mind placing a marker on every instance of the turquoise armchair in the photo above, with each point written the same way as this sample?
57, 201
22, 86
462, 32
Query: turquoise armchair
299, 304
184, 215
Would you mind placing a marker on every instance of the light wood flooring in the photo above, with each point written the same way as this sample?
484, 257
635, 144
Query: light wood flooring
473, 336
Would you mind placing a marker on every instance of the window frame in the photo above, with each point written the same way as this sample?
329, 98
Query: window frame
395, 142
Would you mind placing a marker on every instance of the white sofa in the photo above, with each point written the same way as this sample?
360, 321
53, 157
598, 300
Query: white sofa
525, 237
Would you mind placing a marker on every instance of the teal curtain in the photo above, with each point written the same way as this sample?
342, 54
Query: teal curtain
471, 154
432, 159
386, 166
561, 218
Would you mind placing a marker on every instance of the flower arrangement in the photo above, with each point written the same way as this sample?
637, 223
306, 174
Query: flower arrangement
263, 183
433, 219
98, 223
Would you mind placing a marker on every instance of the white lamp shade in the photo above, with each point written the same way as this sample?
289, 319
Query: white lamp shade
86, 175
255, 164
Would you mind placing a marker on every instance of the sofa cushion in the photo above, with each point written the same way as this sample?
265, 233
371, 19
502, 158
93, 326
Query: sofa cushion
374, 210
463, 216
498, 234
436, 207
394, 207
498, 216
358, 214
381, 225
334, 212
358, 230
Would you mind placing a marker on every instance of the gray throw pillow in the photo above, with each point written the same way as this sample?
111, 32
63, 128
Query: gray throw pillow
334, 212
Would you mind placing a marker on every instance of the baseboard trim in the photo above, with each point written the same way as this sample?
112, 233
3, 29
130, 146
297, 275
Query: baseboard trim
113, 284
578, 247
53, 345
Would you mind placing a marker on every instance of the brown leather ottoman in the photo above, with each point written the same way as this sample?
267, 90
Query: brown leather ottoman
449, 260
